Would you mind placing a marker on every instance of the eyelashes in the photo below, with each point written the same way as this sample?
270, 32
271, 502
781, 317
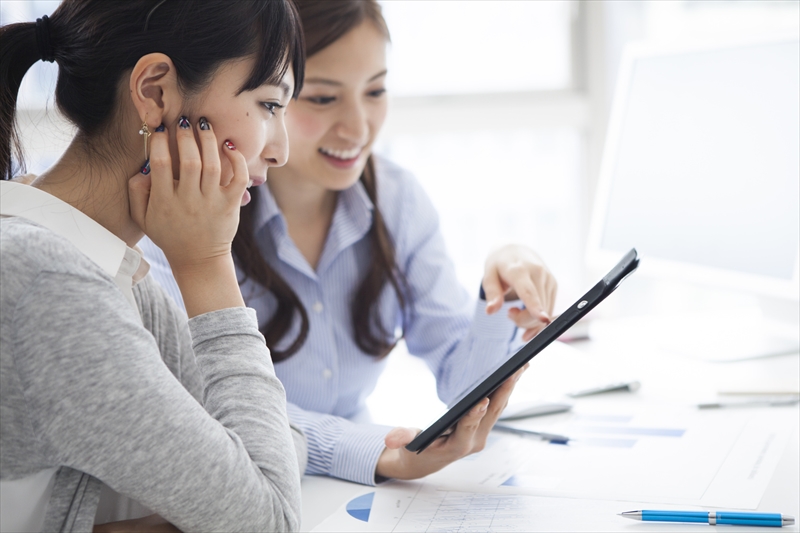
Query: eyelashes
323, 100
272, 107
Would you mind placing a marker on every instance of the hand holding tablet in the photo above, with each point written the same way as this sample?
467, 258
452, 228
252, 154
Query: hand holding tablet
468, 437
496, 382
464, 428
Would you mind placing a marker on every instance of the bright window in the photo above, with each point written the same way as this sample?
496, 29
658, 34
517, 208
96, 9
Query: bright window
486, 46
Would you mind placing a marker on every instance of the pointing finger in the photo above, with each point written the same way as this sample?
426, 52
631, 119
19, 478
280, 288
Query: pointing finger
493, 289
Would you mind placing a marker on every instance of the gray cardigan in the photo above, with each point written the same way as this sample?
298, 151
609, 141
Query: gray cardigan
186, 418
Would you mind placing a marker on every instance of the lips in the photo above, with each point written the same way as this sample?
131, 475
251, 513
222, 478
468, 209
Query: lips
341, 159
255, 181
344, 155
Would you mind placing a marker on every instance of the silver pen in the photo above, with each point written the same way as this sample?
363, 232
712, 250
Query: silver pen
630, 386
552, 437
753, 403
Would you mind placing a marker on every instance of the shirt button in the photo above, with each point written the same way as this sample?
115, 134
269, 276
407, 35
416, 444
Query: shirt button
327, 373
317, 307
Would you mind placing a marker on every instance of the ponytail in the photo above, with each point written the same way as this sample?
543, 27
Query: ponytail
95, 42
19, 50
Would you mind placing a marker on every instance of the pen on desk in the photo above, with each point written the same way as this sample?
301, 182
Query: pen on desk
754, 403
552, 437
630, 386
713, 517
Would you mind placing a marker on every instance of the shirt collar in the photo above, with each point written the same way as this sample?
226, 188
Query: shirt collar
351, 221
355, 199
126, 265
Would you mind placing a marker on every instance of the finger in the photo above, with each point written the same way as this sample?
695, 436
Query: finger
552, 290
461, 441
531, 333
500, 398
493, 289
138, 197
161, 179
399, 437
191, 165
241, 176
526, 290
525, 320
499, 402
210, 175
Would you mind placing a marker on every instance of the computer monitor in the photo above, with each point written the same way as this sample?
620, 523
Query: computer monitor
701, 172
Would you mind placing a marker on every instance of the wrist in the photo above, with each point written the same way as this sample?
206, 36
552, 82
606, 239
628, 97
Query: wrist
208, 285
387, 465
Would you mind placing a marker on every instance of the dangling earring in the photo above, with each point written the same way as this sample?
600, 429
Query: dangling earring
145, 132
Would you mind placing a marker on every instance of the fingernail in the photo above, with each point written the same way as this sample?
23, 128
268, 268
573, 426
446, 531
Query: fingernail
483, 407
204, 125
146, 168
160, 127
183, 123
229, 145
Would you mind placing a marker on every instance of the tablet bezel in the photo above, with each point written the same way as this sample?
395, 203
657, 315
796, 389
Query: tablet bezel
550, 333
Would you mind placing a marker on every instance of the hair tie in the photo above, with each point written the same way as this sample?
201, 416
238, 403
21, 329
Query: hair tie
43, 42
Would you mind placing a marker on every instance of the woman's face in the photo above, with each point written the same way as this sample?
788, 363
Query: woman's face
252, 120
340, 110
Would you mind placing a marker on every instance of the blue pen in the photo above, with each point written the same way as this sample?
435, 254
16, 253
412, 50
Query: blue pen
713, 517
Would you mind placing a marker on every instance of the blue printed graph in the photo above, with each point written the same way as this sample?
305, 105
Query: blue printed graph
360, 507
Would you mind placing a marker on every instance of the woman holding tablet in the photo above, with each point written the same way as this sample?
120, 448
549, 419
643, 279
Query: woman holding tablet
341, 255
113, 406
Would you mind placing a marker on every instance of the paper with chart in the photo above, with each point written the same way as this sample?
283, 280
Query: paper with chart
679, 456
419, 506
618, 458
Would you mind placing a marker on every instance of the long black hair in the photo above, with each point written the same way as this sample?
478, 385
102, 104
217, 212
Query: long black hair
325, 22
95, 42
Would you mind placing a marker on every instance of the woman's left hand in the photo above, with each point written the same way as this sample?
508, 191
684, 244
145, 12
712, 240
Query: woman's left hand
516, 272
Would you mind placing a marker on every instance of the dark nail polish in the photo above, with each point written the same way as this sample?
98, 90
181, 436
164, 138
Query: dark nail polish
146, 168
204, 125
183, 123
160, 127
229, 145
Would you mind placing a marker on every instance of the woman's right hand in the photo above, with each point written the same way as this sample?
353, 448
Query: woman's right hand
193, 219
469, 437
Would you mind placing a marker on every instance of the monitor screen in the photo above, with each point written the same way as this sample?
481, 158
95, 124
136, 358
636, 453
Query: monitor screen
702, 162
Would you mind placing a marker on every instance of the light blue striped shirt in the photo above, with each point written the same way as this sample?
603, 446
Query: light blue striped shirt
329, 379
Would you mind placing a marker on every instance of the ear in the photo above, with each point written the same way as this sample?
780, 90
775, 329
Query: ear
154, 89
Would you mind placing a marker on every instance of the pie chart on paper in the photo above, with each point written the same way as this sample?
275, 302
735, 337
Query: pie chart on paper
360, 507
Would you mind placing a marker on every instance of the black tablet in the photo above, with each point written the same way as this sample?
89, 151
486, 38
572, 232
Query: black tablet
553, 331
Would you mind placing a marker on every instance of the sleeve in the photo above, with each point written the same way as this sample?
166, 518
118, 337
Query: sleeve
460, 343
102, 401
167, 323
338, 447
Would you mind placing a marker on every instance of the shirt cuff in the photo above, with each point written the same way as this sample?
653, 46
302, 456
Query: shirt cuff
355, 457
223, 322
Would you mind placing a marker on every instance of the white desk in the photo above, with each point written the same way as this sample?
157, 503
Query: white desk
667, 379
